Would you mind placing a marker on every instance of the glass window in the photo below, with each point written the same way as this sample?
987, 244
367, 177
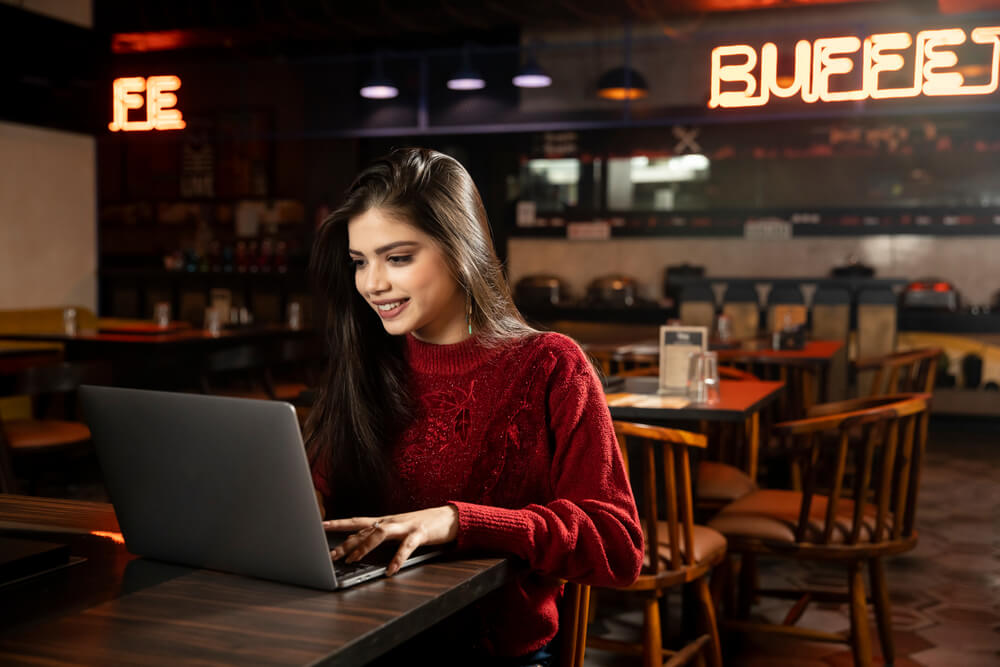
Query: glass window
642, 183
554, 185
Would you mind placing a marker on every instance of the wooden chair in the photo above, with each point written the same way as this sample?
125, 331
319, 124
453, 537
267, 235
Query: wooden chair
573, 617
730, 472
677, 551
295, 368
785, 305
741, 304
831, 320
876, 329
238, 372
52, 435
602, 357
831, 314
697, 305
855, 520
909, 371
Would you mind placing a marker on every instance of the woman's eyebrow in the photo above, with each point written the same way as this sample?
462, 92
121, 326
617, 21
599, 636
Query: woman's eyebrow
386, 248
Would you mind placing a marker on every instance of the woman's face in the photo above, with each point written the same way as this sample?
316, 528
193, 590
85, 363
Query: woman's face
400, 271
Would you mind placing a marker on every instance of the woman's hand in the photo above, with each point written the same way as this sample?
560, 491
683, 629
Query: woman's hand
437, 525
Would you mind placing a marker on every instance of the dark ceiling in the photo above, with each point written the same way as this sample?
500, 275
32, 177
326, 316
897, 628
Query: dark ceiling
158, 25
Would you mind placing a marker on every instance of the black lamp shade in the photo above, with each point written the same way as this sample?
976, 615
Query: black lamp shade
622, 83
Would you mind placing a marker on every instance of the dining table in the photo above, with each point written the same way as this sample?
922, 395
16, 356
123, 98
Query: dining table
816, 357
141, 356
636, 399
97, 604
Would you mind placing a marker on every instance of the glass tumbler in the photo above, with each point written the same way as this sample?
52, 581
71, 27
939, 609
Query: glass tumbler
69, 321
213, 321
161, 314
710, 377
696, 374
294, 315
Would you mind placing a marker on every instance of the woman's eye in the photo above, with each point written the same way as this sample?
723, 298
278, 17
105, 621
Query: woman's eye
357, 263
400, 259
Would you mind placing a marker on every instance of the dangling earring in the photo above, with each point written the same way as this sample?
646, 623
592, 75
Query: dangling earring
468, 310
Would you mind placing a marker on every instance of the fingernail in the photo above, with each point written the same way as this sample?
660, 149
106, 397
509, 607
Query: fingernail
335, 554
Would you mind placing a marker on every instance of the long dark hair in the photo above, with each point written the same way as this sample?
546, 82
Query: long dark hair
363, 401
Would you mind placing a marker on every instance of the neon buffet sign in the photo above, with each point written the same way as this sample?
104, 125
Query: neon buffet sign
155, 94
817, 62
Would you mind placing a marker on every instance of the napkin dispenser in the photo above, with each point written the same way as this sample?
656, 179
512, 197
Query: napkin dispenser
793, 338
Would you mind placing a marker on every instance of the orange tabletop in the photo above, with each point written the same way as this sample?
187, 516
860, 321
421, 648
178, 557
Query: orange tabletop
738, 400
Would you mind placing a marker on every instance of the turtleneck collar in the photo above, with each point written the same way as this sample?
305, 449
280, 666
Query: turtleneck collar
451, 359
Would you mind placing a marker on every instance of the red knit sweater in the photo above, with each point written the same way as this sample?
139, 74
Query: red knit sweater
519, 439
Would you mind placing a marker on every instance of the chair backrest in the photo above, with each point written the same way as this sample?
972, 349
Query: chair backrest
909, 371
741, 303
675, 483
785, 305
882, 441
697, 307
238, 358
876, 323
244, 362
831, 314
55, 380
303, 356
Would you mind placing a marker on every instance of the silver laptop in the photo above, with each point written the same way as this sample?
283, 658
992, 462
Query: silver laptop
218, 483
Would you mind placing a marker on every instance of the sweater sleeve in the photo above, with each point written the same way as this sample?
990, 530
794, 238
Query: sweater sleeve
590, 531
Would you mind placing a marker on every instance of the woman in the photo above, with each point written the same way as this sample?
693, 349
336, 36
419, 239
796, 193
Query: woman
444, 418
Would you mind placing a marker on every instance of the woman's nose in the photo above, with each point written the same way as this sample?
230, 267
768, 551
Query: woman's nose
376, 279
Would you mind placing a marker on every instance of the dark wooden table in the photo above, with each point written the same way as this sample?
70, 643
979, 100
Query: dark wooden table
115, 609
159, 359
89, 345
14, 358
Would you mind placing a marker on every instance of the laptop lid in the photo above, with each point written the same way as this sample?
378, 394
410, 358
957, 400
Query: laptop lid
212, 482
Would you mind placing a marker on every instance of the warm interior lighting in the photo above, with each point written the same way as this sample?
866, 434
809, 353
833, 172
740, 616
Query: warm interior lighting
159, 101
114, 537
935, 66
622, 84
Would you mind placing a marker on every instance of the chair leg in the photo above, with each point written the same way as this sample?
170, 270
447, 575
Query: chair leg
860, 640
883, 609
720, 584
652, 642
747, 586
714, 647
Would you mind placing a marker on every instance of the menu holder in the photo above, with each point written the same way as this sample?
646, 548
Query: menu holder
677, 344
